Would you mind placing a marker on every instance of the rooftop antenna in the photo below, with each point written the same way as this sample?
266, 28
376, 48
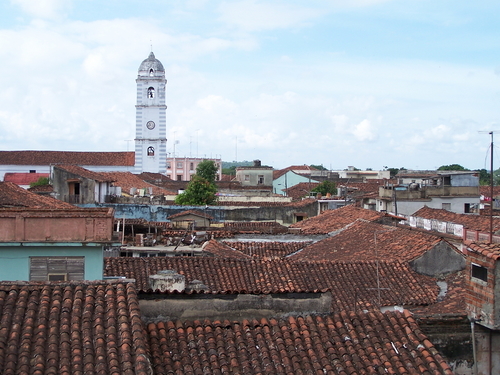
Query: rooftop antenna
491, 132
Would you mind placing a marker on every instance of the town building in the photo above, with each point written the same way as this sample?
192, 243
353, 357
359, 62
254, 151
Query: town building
184, 168
256, 175
456, 191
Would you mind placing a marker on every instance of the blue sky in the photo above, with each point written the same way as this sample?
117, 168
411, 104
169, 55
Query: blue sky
367, 83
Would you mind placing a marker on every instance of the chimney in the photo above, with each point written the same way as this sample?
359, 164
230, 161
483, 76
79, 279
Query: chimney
167, 281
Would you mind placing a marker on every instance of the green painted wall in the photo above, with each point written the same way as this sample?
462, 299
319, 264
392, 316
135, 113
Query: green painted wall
15, 258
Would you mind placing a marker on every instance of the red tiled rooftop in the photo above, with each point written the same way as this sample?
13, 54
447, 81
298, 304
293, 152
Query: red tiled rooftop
12, 195
343, 343
351, 283
489, 250
302, 189
67, 157
267, 249
82, 172
127, 181
191, 212
24, 178
221, 250
469, 221
358, 242
71, 328
334, 220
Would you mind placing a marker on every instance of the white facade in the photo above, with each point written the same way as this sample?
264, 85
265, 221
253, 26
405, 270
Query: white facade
151, 120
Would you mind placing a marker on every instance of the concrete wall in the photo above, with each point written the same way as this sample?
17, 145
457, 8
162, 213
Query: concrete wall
487, 350
439, 261
253, 173
15, 259
156, 307
288, 180
281, 214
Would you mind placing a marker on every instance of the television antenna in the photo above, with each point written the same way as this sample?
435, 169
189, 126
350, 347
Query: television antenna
491, 132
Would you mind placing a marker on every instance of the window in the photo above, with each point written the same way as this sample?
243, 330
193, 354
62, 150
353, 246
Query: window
260, 179
247, 177
446, 206
151, 92
151, 72
179, 164
168, 165
479, 272
467, 208
179, 177
191, 166
57, 268
151, 151
58, 276
32, 171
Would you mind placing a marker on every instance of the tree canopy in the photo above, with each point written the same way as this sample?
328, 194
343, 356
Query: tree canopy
326, 187
40, 182
201, 189
452, 167
319, 167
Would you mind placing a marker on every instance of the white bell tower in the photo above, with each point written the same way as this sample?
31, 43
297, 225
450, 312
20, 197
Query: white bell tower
150, 118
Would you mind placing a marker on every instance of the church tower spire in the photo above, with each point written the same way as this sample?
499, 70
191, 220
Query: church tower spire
151, 123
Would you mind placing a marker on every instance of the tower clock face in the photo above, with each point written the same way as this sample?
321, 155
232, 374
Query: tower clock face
150, 125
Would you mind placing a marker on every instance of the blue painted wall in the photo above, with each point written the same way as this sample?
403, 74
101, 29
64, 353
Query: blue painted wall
288, 180
15, 259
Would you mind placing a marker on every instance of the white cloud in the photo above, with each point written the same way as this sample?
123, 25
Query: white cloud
363, 131
46, 9
254, 15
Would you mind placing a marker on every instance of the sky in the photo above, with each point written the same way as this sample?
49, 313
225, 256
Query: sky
363, 83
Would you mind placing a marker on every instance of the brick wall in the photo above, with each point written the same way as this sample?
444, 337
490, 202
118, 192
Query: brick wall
480, 295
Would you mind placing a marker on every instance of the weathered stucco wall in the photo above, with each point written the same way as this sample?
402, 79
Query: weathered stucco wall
439, 261
235, 306
149, 212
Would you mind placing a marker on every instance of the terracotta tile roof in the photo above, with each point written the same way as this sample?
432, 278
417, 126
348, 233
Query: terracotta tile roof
344, 343
486, 190
370, 186
221, 250
41, 189
302, 189
270, 227
267, 249
334, 220
67, 157
77, 328
358, 242
24, 178
191, 212
353, 284
277, 173
453, 302
12, 195
85, 173
127, 181
470, 221
489, 250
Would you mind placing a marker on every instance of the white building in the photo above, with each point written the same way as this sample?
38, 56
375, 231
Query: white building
151, 120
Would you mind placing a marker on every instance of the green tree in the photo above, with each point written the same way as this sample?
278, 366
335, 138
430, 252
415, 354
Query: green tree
326, 187
484, 177
207, 169
319, 167
452, 167
201, 189
394, 171
198, 192
40, 182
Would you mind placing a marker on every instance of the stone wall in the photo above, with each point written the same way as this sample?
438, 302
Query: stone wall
157, 307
